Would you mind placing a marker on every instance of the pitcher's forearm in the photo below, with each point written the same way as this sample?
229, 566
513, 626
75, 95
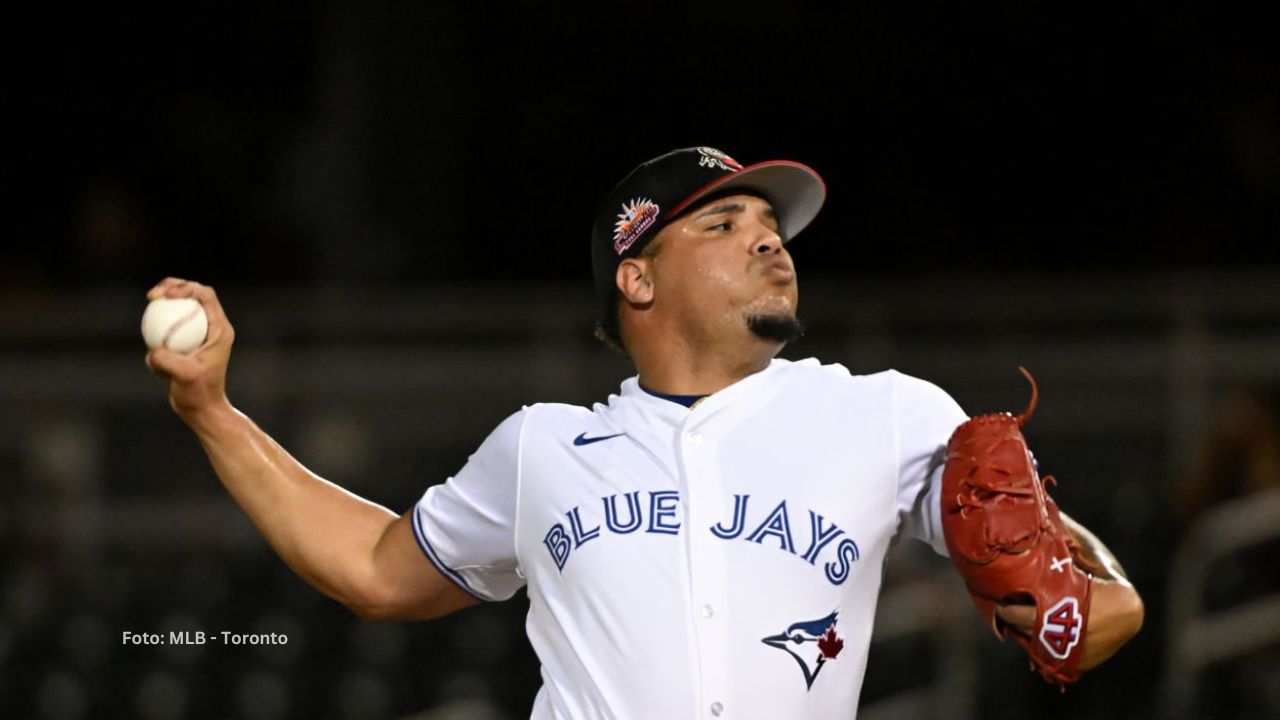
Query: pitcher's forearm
350, 549
1115, 616
1094, 555
1116, 611
324, 533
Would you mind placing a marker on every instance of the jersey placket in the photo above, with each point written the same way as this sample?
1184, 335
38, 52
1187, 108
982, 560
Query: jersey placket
708, 601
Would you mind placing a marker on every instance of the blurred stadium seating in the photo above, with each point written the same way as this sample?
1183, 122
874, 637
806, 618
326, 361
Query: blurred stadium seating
112, 521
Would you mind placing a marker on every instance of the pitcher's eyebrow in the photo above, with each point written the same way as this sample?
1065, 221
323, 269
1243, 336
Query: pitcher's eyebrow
735, 207
721, 208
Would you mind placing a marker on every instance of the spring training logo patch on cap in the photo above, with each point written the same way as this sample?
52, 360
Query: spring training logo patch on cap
635, 218
713, 158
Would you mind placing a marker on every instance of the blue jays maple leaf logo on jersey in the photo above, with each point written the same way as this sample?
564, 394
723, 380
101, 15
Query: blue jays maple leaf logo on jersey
811, 643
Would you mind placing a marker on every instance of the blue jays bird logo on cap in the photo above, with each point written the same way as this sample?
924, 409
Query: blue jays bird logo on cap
635, 218
796, 639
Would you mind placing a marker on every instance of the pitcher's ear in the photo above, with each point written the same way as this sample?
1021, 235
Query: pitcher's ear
634, 280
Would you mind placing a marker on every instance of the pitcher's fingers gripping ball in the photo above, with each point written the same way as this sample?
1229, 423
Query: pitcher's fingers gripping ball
179, 324
1005, 536
198, 377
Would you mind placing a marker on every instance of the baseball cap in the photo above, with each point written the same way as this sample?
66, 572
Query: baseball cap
660, 190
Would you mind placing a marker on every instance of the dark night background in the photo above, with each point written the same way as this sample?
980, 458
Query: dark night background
264, 144
442, 162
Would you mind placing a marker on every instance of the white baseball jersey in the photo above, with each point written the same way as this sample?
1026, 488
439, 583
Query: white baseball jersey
721, 561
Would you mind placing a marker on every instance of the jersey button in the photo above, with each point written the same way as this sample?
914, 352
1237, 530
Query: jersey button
707, 611
716, 709
695, 438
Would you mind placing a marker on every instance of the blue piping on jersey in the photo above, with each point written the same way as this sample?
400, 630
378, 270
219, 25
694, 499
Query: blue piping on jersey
430, 552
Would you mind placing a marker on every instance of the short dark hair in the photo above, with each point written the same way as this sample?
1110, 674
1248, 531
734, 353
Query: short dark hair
608, 328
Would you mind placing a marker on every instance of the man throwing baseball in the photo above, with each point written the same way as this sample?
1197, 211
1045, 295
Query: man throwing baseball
709, 541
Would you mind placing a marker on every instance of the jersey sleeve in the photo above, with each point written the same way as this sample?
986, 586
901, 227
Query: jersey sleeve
925, 416
466, 525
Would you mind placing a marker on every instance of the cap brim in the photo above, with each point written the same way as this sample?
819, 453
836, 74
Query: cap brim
795, 190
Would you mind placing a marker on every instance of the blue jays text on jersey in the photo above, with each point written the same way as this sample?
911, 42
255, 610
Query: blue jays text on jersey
663, 518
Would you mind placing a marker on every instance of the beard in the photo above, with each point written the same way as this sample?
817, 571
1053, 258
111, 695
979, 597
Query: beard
775, 328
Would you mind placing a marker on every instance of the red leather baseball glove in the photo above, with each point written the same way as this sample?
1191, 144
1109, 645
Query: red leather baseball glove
1005, 536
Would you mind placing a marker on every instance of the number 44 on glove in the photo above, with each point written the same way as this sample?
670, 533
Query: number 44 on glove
1005, 536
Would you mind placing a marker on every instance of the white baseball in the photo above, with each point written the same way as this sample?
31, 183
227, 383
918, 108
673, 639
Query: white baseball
176, 323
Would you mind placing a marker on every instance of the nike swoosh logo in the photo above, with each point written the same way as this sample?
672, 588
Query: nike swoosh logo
584, 440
